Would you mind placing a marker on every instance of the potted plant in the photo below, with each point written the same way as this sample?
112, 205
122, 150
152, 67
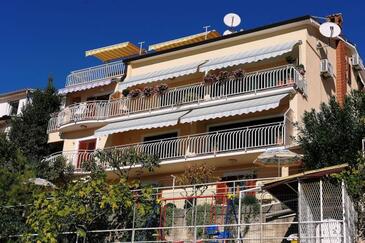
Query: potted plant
161, 89
210, 78
222, 76
238, 73
126, 92
301, 69
148, 91
135, 93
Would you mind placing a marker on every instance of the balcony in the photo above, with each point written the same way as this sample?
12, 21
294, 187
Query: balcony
97, 73
197, 146
95, 111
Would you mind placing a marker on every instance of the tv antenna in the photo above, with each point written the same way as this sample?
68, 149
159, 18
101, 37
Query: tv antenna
206, 30
232, 20
141, 47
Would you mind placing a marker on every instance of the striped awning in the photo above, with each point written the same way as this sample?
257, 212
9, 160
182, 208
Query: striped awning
164, 120
184, 41
232, 109
161, 74
113, 52
250, 56
84, 86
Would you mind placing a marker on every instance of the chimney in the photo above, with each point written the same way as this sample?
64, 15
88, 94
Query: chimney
341, 62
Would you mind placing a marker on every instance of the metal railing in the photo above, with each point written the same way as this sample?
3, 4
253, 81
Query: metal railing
197, 93
104, 71
185, 147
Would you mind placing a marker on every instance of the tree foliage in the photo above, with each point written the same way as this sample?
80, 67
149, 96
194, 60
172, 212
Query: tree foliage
14, 193
122, 161
29, 130
333, 134
92, 203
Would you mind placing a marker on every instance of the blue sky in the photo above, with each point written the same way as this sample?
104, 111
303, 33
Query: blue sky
41, 37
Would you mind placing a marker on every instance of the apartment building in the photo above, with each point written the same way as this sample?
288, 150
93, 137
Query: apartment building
11, 104
206, 98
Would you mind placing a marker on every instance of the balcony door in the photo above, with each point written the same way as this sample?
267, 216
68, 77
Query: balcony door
95, 108
85, 147
163, 145
236, 140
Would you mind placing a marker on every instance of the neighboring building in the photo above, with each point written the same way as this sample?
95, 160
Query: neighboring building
261, 90
11, 104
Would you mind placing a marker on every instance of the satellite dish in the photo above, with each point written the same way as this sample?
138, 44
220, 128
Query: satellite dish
232, 20
227, 32
330, 29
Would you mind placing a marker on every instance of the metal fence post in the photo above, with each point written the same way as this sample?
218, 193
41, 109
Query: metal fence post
195, 213
261, 215
343, 212
134, 219
239, 216
320, 207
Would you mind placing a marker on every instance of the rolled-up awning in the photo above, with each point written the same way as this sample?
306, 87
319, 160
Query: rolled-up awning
250, 56
83, 86
232, 109
163, 120
161, 74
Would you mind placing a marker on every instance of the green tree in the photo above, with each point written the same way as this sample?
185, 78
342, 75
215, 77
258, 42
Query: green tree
333, 134
29, 130
92, 203
15, 194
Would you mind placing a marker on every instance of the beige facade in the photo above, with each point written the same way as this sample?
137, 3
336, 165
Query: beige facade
309, 50
12, 104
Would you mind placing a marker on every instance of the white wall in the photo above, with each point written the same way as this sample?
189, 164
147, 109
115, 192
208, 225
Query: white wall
4, 109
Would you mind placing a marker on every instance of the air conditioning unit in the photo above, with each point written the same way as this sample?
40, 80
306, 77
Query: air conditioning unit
356, 62
326, 68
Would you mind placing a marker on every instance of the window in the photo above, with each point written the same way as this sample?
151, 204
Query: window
75, 100
244, 124
160, 137
102, 97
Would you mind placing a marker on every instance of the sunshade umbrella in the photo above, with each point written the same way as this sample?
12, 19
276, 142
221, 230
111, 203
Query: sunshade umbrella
42, 182
278, 157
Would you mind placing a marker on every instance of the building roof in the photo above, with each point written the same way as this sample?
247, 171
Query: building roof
219, 38
15, 93
311, 174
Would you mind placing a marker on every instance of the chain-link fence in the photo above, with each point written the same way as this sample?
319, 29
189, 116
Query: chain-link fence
241, 211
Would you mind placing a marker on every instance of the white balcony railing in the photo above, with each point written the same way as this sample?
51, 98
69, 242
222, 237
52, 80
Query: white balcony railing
213, 143
87, 75
197, 93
